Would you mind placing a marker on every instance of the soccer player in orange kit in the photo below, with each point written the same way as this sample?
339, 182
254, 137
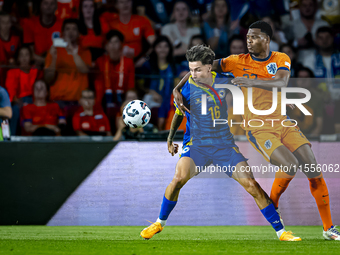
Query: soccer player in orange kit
282, 146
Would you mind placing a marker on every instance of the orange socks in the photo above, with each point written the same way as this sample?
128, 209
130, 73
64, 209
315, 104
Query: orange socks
319, 191
280, 184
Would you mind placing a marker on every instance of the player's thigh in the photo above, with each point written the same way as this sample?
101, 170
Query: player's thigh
293, 138
185, 169
307, 160
264, 141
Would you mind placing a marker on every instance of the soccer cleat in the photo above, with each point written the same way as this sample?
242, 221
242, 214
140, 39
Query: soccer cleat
332, 234
279, 213
150, 231
288, 236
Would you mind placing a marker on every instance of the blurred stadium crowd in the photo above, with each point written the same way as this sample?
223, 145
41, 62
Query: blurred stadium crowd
70, 66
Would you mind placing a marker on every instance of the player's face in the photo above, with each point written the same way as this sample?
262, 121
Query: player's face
181, 11
162, 50
237, 47
87, 100
324, 40
88, 9
71, 32
124, 6
114, 47
40, 90
48, 7
24, 57
257, 42
5, 23
200, 73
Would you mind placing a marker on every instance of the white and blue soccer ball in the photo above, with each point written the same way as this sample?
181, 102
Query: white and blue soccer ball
136, 114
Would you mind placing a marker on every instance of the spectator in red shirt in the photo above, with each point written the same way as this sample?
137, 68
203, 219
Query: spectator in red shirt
42, 118
116, 72
134, 28
39, 31
90, 121
90, 28
19, 84
67, 9
8, 40
20, 81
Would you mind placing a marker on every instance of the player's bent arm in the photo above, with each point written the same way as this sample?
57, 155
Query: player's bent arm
216, 66
175, 123
178, 96
280, 81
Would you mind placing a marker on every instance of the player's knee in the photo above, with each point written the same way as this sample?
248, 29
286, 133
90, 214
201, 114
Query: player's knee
252, 187
179, 181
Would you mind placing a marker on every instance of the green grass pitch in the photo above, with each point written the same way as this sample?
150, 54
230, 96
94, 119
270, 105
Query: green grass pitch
173, 240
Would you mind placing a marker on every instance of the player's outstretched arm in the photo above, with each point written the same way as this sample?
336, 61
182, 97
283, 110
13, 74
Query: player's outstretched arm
280, 81
176, 122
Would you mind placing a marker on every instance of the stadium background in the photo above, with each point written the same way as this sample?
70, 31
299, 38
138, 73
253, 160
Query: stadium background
70, 180
123, 183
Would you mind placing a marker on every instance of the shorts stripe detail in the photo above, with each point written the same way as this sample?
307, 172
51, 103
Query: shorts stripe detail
253, 140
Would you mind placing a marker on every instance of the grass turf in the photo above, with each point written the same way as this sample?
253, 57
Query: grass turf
172, 240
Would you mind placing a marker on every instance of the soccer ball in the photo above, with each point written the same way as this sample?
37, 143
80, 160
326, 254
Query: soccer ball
136, 114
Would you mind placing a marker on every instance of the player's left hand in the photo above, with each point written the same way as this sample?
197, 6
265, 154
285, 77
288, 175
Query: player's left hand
243, 82
172, 148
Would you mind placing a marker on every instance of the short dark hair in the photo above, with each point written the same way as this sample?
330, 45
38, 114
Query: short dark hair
201, 53
70, 21
113, 33
264, 26
324, 30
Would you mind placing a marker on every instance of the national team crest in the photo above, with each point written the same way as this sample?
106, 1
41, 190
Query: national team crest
272, 68
136, 31
268, 144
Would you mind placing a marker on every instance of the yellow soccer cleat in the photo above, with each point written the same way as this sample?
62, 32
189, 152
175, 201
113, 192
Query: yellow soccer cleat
150, 231
288, 236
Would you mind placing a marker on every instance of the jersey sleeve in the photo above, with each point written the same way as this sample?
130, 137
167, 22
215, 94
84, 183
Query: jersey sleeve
178, 112
229, 63
283, 62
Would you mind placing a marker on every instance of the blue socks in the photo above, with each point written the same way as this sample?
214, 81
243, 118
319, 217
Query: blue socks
272, 217
166, 208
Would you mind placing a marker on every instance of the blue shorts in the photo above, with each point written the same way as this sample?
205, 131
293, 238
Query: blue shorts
226, 156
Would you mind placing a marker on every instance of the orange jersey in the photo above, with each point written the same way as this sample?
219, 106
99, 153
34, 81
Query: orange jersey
137, 28
39, 35
245, 65
69, 82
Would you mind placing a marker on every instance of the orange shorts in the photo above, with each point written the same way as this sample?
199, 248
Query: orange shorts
266, 141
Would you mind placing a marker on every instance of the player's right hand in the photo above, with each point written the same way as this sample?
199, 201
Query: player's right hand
179, 101
172, 148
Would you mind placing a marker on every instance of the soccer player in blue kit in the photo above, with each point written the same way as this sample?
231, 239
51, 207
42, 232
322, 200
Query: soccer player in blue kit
204, 144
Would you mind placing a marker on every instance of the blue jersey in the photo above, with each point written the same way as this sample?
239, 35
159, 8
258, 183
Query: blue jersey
200, 128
